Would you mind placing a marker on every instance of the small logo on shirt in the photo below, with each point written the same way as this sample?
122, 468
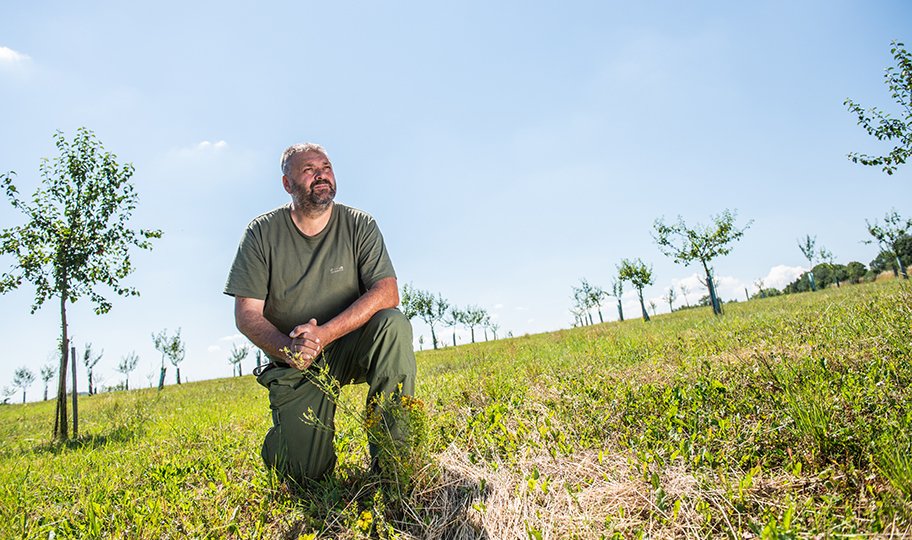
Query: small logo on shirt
336, 269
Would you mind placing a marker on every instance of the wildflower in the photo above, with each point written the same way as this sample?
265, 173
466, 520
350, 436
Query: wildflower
365, 520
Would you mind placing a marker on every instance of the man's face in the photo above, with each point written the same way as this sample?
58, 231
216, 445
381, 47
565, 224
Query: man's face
310, 180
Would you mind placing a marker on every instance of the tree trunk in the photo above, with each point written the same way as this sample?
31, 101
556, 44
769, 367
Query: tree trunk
61, 426
899, 264
486, 334
178, 374
472, 329
601, 319
620, 310
711, 285
91, 388
811, 280
643, 305
161, 377
45, 390
75, 395
454, 337
433, 336
23, 395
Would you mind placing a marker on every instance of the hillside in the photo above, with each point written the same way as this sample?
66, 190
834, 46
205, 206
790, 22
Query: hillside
786, 417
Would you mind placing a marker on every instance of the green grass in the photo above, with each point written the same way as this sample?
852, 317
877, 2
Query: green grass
786, 417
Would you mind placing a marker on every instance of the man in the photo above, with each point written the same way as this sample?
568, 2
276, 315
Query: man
314, 287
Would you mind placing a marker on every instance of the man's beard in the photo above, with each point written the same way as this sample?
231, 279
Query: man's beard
312, 201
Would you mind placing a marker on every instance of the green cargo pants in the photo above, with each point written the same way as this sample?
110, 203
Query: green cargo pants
379, 353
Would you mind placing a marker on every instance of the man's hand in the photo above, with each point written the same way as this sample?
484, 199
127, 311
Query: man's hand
307, 342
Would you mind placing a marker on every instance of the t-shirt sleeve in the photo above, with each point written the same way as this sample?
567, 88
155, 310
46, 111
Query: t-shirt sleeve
374, 261
249, 274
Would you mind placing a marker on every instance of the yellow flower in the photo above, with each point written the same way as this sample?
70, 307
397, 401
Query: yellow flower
364, 522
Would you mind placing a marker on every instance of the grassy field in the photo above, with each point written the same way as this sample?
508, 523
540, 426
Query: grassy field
787, 417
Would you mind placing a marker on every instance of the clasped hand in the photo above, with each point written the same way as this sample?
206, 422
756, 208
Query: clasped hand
307, 341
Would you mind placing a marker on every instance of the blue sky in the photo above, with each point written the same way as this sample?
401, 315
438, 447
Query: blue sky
507, 149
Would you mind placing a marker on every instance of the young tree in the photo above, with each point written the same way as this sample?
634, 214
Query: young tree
89, 361
639, 275
77, 236
474, 316
47, 373
889, 236
582, 302
700, 243
409, 301
238, 354
494, 328
684, 290
827, 257
670, 297
617, 290
652, 306
126, 366
881, 125
807, 247
453, 319
171, 348
23, 378
8, 392
431, 309
597, 296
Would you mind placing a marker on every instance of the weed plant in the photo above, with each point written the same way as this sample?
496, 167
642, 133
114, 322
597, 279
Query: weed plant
788, 417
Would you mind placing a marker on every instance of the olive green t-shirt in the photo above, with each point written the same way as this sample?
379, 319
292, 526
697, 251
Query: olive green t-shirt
308, 277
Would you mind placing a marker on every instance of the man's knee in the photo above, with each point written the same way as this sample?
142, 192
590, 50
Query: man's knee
394, 322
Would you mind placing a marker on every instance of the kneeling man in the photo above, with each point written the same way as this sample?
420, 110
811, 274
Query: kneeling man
314, 277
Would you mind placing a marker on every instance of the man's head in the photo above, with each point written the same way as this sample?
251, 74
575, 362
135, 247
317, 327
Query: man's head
308, 176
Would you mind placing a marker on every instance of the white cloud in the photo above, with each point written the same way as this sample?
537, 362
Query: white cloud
206, 145
10, 56
203, 149
779, 276
213, 349
232, 337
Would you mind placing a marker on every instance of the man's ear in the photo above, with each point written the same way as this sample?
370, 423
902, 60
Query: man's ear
285, 184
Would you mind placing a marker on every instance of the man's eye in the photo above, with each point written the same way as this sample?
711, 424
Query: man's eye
307, 169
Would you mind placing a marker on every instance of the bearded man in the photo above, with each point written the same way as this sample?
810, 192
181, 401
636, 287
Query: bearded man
314, 288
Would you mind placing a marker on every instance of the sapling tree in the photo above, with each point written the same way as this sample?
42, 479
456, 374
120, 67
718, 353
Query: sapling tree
47, 373
432, 310
8, 392
90, 360
639, 275
236, 356
23, 378
889, 236
700, 244
494, 328
172, 348
881, 125
808, 249
670, 297
826, 256
474, 316
453, 319
582, 301
409, 301
617, 291
684, 290
597, 296
126, 366
76, 238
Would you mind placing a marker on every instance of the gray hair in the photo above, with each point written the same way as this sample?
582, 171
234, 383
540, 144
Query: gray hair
297, 148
